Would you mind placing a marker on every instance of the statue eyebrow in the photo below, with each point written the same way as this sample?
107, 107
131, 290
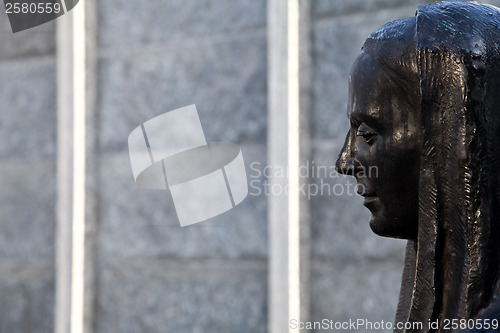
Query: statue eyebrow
361, 117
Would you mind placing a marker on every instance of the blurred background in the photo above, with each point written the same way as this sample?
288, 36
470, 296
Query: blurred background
142, 271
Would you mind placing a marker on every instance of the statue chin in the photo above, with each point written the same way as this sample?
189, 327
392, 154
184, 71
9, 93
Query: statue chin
379, 228
382, 227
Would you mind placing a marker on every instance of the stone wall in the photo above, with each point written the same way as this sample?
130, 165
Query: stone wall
152, 275
28, 128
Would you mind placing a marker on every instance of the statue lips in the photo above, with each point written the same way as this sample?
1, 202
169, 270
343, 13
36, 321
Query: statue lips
370, 197
369, 201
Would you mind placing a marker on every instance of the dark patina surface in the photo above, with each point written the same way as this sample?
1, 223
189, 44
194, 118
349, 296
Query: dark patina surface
424, 106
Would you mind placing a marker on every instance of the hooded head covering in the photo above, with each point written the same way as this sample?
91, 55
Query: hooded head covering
451, 53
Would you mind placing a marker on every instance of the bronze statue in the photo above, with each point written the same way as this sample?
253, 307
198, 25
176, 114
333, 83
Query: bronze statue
424, 107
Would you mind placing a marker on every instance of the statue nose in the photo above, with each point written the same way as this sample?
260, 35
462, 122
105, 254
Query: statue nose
346, 163
349, 167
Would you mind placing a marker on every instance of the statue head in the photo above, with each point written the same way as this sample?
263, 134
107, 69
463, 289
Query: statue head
424, 146
382, 145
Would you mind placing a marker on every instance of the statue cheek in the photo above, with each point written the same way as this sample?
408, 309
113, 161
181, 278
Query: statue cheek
400, 144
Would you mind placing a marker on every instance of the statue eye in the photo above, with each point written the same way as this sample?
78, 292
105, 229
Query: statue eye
366, 132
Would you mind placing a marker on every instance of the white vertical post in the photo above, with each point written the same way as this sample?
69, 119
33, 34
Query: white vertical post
293, 95
75, 99
64, 173
285, 150
79, 150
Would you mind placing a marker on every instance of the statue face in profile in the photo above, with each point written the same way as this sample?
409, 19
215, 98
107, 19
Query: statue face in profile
381, 148
424, 147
